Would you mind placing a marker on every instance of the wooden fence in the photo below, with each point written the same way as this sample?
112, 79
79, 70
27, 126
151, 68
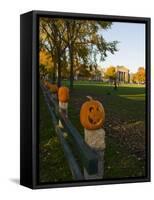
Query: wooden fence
88, 157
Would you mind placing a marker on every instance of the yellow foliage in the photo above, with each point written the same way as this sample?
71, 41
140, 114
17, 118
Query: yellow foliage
139, 76
111, 72
45, 59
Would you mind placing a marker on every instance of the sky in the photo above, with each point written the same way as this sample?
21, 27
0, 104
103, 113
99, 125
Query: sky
131, 37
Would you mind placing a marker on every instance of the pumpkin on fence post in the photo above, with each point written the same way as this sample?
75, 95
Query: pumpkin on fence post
53, 88
92, 118
63, 97
45, 83
63, 94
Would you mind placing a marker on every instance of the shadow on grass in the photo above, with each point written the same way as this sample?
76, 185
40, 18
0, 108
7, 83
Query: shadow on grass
125, 105
126, 102
124, 113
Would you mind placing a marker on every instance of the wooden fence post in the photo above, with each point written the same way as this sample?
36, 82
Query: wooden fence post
63, 97
95, 139
88, 157
92, 117
63, 107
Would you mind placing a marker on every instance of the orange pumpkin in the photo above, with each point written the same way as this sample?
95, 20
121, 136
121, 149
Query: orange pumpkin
45, 83
92, 115
53, 88
63, 94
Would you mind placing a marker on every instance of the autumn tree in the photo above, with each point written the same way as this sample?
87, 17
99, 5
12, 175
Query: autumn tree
80, 40
139, 76
46, 44
111, 75
86, 43
72, 33
53, 30
45, 62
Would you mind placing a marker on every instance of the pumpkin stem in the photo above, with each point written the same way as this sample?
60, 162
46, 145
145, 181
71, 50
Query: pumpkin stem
89, 97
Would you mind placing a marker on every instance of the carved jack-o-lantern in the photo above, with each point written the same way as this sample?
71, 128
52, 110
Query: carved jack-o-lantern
92, 115
63, 94
46, 83
53, 88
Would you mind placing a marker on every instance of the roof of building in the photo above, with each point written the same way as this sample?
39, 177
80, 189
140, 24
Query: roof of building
122, 68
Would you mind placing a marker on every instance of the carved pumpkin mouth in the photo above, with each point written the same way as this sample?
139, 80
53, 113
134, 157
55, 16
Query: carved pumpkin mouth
93, 121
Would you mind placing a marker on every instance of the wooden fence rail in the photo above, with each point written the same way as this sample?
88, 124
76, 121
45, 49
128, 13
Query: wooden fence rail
88, 157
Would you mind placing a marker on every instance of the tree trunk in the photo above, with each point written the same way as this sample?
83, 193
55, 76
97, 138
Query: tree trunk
71, 66
54, 75
59, 72
115, 84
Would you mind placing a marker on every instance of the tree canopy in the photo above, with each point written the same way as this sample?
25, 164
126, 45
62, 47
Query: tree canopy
111, 73
74, 43
139, 76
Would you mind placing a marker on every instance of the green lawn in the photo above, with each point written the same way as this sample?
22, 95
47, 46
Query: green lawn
52, 163
124, 126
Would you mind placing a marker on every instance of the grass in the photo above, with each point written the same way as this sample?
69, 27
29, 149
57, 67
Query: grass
53, 166
120, 162
124, 126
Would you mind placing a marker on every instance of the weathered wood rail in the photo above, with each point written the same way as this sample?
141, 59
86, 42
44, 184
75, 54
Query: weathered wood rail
88, 157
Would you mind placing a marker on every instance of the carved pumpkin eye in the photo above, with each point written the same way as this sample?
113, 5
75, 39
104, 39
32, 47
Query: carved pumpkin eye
91, 109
